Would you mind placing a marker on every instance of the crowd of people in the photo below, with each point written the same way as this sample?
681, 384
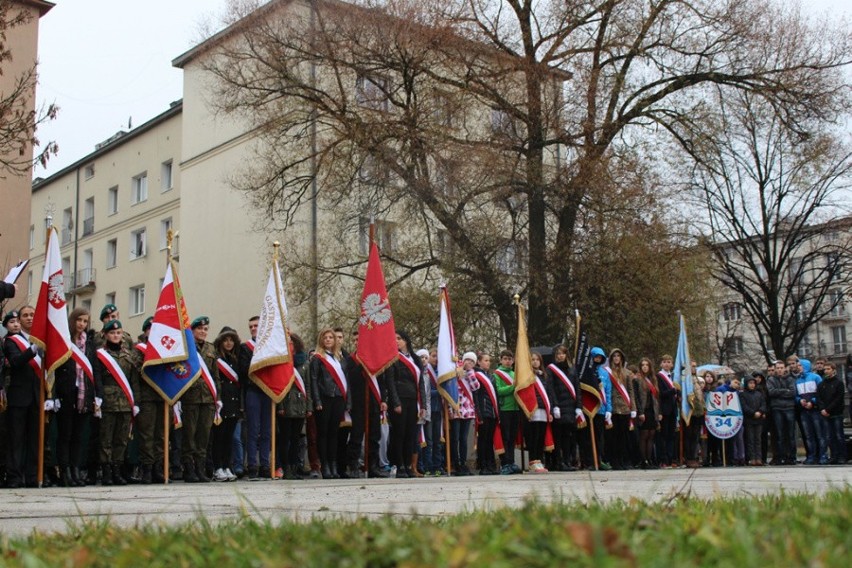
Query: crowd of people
110, 430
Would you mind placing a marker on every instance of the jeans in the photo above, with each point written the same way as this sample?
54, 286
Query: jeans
459, 430
814, 428
836, 439
258, 427
237, 450
785, 431
433, 456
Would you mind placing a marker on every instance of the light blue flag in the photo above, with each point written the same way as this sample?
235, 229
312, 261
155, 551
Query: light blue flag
683, 373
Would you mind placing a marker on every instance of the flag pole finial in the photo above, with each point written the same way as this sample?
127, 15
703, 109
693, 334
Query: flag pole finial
170, 236
517, 299
275, 246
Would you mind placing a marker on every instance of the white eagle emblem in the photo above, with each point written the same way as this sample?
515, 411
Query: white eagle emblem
56, 290
375, 311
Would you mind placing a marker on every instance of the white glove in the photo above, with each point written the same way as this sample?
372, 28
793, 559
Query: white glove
219, 406
98, 413
135, 410
557, 413
48, 405
99, 402
34, 349
578, 412
632, 414
57, 404
608, 417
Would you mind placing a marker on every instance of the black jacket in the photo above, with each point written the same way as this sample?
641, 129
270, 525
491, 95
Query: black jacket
562, 397
6, 290
782, 392
481, 398
404, 386
751, 402
323, 385
230, 393
668, 397
65, 386
23, 386
830, 396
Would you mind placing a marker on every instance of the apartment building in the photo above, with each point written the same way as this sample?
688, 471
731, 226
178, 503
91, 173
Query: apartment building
829, 338
113, 209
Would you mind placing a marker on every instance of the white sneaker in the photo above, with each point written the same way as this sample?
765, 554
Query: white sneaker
231, 477
220, 475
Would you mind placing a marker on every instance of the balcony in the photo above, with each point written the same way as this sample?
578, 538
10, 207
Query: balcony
88, 226
67, 235
82, 282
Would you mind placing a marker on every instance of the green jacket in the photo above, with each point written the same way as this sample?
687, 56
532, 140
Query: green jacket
506, 393
107, 387
198, 393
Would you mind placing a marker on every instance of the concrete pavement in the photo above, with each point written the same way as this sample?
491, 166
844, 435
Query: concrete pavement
56, 509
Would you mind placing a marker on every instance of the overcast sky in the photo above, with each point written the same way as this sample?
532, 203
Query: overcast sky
106, 62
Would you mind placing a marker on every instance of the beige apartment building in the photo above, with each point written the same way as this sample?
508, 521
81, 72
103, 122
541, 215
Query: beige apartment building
112, 209
22, 42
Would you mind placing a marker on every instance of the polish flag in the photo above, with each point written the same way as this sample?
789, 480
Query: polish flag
50, 325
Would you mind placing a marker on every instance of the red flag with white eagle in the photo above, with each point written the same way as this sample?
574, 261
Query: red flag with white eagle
377, 348
50, 324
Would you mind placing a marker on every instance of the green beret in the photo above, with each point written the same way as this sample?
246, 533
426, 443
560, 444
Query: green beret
111, 325
200, 320
107, 310
10, 315
146, 325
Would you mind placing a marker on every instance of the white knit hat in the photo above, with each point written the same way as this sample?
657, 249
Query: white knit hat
422, 353
469, 355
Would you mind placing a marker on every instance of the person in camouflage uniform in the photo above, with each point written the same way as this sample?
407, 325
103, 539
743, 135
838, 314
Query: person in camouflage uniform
112, 402
149, 423
199, 408
108, 313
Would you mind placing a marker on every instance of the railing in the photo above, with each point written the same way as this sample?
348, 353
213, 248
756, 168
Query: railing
66, 236
82, 281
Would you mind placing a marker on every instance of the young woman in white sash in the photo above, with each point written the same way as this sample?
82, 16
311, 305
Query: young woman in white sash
226, 345
407, 394
330, 398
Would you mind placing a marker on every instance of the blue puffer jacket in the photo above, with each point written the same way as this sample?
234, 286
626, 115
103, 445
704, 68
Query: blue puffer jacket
806, 384
606, 384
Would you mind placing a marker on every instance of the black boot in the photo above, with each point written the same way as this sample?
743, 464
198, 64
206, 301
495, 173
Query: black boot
106, 475
65, 479
157, 473
76, 478
326, 471
117, 478
201, 474
146, 474
334, 473
189, 472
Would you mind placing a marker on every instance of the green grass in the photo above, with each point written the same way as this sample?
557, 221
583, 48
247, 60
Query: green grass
782, 530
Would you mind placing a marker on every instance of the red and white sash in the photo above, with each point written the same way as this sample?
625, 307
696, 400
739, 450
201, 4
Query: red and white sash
432, 376
250, 344
619, 387
415, 374
208, 378
24, 344
117, 373
83, 361
463, 387
225, 370
141, 347
334, 369
549, 444
665, 376
505, 377
653, 388
373, 383
564, 378
300, 382
486, 383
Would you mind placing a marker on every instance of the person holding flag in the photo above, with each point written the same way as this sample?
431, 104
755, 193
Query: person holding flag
566, 397
451, 390
116, 381
23, 399
330, 396
510, 414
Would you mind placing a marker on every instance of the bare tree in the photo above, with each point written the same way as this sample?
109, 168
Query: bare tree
18, 122
775, 202
492, 120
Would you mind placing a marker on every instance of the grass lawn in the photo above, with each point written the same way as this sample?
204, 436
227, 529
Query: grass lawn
782, 530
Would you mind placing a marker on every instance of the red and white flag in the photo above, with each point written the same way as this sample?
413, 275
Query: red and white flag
50, 324
271, 366
377, 348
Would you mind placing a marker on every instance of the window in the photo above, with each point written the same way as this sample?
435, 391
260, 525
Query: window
87, 305
112, 253
67, 226
510, 259
89, 171
137, 300
443, 111
112, 200
109, 298
444, 244
165, 227
734, 346
137, 244
32, 237
732, 312
501, 122
67, 277
370, 92
834, 266
837, 303
385, 235
89, 216
29, 283
139, 189
166, 176
806, 348
838, 335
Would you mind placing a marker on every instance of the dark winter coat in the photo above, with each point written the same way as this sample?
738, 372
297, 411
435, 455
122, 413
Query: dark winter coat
752, 401
562, 397
830, 396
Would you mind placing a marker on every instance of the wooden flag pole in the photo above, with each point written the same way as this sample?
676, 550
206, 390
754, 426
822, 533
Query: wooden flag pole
166, 408
366, 424
42, 393
448, 441
594, 443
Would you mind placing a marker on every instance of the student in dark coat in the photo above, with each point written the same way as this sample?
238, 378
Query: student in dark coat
566, 397
754, 413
